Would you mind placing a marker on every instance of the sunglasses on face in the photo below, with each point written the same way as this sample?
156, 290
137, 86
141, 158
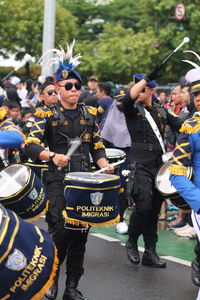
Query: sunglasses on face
143, 90
50, 92
69, 85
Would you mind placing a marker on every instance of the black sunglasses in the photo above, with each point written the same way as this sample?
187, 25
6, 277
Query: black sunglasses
50, 92
69, 85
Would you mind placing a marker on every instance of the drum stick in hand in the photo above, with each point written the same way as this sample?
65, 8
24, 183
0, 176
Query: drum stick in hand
111, 165
74, 146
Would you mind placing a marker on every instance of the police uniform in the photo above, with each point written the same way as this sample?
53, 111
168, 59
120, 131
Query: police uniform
58, 129
145, 157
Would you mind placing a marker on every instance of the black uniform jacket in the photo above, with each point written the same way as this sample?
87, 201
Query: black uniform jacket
145, 147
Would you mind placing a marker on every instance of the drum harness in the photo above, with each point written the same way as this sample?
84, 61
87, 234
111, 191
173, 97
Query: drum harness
60, 118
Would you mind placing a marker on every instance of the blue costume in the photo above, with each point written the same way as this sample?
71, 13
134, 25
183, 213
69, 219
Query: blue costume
187, 153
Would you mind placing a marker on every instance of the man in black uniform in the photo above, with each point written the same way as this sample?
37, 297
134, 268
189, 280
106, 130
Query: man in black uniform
145, 156
59, 128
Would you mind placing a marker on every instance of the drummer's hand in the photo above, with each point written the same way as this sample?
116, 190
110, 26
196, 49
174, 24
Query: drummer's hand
110, 169
61, 160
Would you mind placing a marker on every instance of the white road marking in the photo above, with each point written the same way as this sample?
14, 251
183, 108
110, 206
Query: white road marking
141, 249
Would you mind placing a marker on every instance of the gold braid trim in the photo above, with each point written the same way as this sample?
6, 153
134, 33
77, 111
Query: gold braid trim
121, 190
99, 145
43, 114
3, 113
33, 140
189, 130
86, 224
177, 170
50, 281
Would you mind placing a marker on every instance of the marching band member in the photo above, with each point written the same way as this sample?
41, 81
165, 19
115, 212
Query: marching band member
58, 128
146, 122
187, 153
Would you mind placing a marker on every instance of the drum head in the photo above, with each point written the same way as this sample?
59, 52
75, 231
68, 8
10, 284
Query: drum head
113, 153
89, 177
12, 179
163, 183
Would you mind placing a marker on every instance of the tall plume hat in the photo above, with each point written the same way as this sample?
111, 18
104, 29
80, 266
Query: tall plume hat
65, 61
193, 76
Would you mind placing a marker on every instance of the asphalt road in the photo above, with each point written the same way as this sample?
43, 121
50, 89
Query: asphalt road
110, 276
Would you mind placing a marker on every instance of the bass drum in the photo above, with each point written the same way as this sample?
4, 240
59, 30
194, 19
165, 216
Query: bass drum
164, 186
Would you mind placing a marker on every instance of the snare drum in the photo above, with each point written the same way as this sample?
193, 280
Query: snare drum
28, 259
22, 191
91, 200
165, 187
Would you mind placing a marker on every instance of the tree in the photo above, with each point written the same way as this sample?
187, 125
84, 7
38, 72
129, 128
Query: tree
22, 26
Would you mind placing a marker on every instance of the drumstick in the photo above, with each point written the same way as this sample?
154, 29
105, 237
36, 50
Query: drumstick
112, 165
185, 41
74, 146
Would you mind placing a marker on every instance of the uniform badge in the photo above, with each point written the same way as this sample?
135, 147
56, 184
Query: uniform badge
96, 198
65, 74
33, 194
16, 261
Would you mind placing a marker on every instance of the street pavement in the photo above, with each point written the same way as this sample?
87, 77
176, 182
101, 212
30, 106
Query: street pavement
110, 276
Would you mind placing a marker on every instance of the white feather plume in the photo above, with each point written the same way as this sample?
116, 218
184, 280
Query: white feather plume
60, 56
191, 51
191, 63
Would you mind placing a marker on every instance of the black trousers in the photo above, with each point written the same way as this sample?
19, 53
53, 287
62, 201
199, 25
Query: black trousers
70, 243
148, 201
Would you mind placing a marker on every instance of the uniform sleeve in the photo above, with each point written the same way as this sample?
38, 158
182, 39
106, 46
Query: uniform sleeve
179, 170
97, 146
35, 138
128, 105
173, 121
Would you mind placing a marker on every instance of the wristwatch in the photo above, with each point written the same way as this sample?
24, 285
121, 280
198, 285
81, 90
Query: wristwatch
51, 155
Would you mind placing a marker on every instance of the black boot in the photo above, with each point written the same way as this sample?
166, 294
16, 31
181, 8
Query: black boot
132, 253
196, 272
53, 290
151, 258
71, 291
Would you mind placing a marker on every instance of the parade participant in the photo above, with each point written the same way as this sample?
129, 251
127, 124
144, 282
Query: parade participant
146, 122
48, 93
59, 128
186, 154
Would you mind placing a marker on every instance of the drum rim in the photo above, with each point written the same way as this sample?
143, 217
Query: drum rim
116, 156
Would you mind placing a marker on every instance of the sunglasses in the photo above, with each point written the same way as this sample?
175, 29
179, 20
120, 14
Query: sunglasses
69, 85
50, 92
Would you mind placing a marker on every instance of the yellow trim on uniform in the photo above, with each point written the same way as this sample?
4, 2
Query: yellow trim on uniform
178, 170
93, 189
188, 129
43, 113
92, 110
100, 110
32, 140
3, 113
99, 145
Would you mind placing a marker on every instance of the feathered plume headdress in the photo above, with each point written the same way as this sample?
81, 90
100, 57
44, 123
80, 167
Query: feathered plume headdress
193, 76
65, 61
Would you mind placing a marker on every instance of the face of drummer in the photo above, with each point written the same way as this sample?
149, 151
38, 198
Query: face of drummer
197, 100
69, 90
49, 95
145, 95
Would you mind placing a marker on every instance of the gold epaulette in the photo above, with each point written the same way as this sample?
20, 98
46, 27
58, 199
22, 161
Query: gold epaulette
3, 113
43, 112
99, 145
178, 170
92, 110
32, 140
191, 125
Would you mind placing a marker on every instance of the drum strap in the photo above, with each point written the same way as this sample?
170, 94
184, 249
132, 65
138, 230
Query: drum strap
155, 129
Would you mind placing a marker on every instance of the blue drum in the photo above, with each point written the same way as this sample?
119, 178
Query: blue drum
41, 170
22, 191
28, 259
91, 200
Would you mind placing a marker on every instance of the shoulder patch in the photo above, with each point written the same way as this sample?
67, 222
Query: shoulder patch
92, 110
191, 125
43, 112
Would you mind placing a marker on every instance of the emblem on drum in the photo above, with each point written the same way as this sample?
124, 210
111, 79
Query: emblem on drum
96, 198
16, 261
33, 194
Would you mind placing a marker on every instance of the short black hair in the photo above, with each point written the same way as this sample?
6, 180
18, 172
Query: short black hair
44, 85
106, 87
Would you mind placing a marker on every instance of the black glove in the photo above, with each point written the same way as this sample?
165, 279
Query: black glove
154, 74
